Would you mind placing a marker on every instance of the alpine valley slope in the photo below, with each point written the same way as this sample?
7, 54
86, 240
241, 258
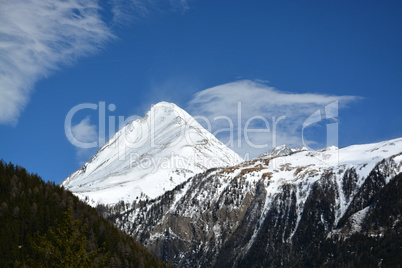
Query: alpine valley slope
332, 207
148, 157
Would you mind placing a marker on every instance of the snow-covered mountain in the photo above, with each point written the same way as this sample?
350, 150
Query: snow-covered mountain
282, 150
148, 157
296, 209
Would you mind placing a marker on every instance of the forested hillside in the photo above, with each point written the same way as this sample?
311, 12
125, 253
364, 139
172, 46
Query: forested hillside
45, 225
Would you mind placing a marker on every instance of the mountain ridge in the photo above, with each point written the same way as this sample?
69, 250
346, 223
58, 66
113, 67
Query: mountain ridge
292, 207
234, 216
149, 156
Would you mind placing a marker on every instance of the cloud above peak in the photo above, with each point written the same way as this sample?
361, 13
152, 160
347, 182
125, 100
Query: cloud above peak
278, 114
257, 96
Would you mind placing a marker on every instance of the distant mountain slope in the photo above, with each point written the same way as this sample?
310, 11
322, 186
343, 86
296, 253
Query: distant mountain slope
282, 150
148, 157
307, 208
38, 229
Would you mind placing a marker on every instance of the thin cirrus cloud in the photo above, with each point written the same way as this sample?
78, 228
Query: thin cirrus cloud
126, 10
85, 132
227, 109
38, 37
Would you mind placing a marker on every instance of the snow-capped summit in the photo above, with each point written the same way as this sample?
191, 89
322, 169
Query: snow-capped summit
281, 150
148, 157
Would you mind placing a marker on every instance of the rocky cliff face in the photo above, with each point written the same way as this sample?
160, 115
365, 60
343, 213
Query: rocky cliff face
329, 207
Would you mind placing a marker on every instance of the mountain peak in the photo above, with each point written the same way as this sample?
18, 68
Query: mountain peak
165, 111
165, 105
282, 150
150, 156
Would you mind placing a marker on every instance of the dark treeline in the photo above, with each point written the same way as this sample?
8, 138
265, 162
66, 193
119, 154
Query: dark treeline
44, 225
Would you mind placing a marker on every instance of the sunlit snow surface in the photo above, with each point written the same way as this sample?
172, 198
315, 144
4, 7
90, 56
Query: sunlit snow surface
160, 151
305, 167
227, 192
148, 157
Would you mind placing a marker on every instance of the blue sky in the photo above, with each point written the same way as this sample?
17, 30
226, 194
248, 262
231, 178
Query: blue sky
56, 55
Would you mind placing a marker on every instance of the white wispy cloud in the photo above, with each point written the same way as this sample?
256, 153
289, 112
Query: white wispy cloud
38, 37
229, 108
85, 132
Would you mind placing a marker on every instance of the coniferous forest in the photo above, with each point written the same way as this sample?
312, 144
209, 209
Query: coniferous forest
44, 225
